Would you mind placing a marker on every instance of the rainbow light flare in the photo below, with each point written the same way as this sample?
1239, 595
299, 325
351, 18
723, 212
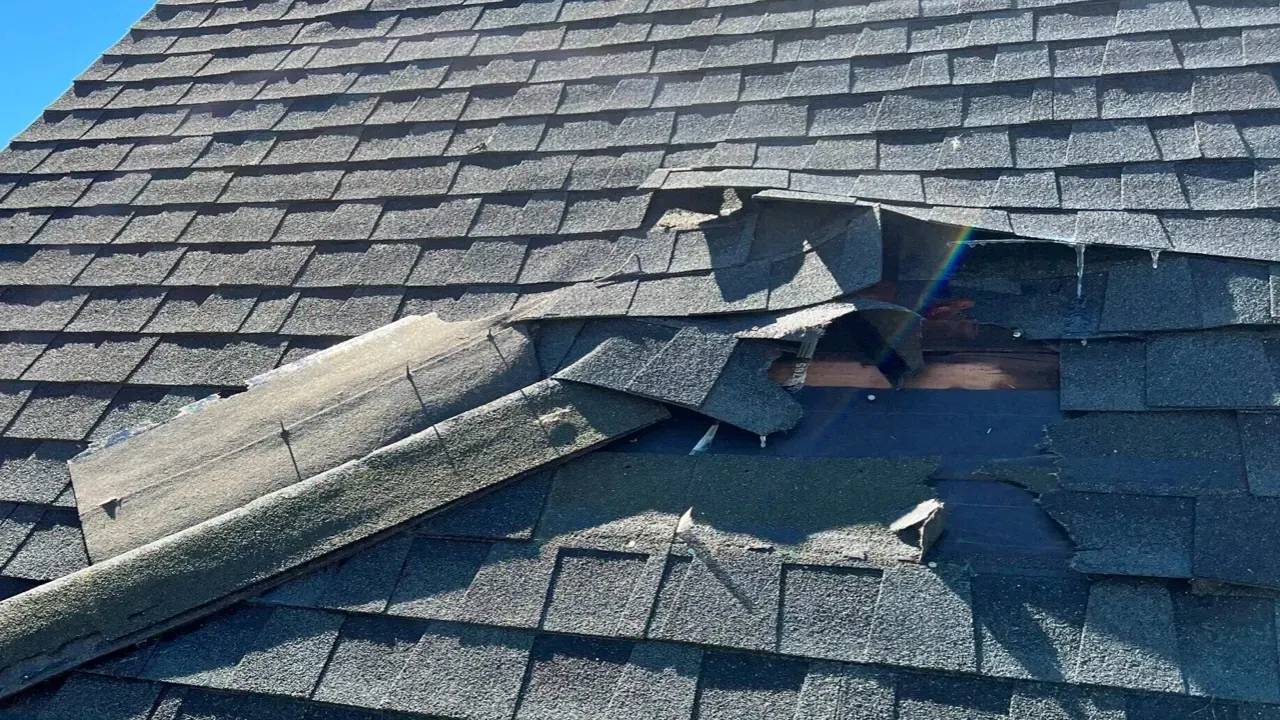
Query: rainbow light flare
946, 268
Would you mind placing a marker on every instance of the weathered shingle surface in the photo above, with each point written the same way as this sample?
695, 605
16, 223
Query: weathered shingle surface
238, 184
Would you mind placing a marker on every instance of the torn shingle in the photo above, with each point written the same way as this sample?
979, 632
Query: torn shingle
1126, 534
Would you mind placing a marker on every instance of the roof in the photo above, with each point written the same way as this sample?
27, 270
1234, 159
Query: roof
647, 228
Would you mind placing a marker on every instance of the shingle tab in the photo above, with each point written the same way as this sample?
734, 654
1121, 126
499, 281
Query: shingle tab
924, 619
1129, 638
463, 670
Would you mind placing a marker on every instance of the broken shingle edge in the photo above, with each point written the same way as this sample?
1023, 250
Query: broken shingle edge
122, 601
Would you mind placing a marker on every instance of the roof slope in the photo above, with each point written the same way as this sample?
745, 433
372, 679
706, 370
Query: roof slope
237, 185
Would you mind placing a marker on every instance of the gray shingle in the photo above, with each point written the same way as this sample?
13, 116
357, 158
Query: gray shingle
1147, 95
1059, 702
147, 265
236, 150
245, 117
61, 412
1208, 371
28, 265
1126, 534
695, 605
55, 548
926, 697
1129, 639
403, 141
19, 350
1221, 524
117, 310
596, 592
326, 147
571, 677
274, 186
208, 653
420, 75
289, 654
195, 310
827, 612
35, 472
134, 407
1227, 646
404, 179
1104, 376
370, 653
208, 361
749, 687
95, 359
463, 669
924, 619
1028, 627
184, 186
233, 224
39, 308
921, 109
1245, 89
163, 154
346, 221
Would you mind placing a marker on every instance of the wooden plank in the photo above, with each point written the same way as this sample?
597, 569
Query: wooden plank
942, 371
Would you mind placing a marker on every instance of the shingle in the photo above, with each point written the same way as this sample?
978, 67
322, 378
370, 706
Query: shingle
572, 677
924, 619
732, 289
342, 312
134, 407
117, 310
207, 654
151, 94
28, 265
1246, 89
1227, 646
1060, 702
370, 653
404, 179
1208, 371
19, 227
976, 149
463, 669
19, 350
61, 412
46, 193
22, 159
236, 150
148, 265
1104, 376
1126, 534
289, 654
102, 157
508, 513
229, 225
325, 147
184, 186
694, 606
1218, 186
595, 592
193, 310
510, 586
1221, 523
136, 123
208, 361
313, 83
1151, 15
38, 308
412, 220
163, 154
1028, 627
345, 221
273, 185
827, 612
55, 548
220, 90
270, 312
926, 697
403, 141
245, 117
748, 687
59, 127
35, 472
1218, 137
310, 114
98, 359
921, 109
420, 75
112, 698
1129, 638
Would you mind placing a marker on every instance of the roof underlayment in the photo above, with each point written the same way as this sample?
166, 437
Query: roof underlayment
426, 358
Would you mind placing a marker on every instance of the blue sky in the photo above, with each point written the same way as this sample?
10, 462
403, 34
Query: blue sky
45, 44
